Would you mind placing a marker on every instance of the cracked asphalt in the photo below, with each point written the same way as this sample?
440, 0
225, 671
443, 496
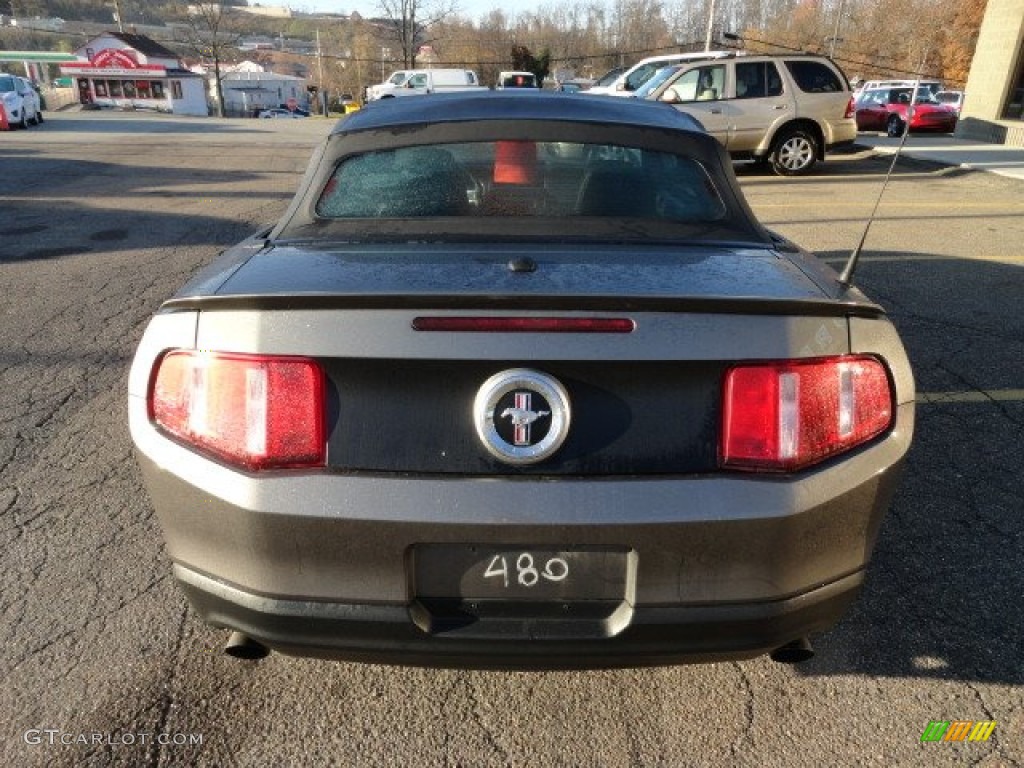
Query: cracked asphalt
102, 216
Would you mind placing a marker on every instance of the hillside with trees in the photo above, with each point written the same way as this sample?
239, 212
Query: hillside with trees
869, 38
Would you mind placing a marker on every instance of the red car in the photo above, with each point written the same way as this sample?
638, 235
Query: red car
885, 109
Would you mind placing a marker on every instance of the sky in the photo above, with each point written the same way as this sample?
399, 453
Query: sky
471, 8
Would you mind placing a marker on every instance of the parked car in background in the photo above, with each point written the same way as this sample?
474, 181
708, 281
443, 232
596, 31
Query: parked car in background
954, 99
21, 101
395, 80
418, 82
285, 114
626, 83
787, 110
656, 80
886, 109
573, 85
519, 381
608, 77
345, 103
515, 80
928, 85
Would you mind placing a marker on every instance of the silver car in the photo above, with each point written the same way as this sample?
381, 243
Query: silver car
785, 110
21, 103
518, 381
285, 114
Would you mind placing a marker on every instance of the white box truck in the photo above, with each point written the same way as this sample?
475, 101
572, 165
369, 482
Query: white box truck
415, 82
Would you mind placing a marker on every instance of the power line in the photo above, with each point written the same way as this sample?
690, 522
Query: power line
638, 53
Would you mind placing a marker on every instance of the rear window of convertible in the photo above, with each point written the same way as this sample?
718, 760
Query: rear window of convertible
520, 178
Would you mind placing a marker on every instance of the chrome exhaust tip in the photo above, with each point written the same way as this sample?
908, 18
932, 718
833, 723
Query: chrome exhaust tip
241, 646
794, 652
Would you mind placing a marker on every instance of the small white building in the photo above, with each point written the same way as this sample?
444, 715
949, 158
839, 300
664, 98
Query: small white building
246, 92
136, 72
272, 11
52, 24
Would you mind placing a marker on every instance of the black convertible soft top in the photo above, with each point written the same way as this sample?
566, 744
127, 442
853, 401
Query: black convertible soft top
388, 128
465, 106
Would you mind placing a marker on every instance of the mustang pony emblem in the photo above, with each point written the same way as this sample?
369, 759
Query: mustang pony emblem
522, 417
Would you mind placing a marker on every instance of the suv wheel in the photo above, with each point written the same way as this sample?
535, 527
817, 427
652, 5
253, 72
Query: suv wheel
795, 152
894, 127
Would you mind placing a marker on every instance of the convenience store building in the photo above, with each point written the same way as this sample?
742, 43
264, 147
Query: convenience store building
117, 69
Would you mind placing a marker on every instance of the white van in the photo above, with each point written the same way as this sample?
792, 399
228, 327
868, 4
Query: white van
626, 83
415, 82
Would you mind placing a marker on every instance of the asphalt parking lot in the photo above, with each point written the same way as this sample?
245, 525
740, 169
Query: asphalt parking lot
105, 215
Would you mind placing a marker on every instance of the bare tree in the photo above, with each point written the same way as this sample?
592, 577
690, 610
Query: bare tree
959, 37
213, 33
409, 22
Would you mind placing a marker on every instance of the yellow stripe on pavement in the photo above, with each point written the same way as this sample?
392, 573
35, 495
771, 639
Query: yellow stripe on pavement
932, 257
986, 396
940, 205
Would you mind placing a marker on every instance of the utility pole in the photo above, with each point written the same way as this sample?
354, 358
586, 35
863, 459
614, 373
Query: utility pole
711, 26
835, 32
319, 58
321, 92
618, 33
117, 16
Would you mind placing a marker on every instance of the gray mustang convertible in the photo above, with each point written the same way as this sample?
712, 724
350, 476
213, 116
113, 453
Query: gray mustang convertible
518, 381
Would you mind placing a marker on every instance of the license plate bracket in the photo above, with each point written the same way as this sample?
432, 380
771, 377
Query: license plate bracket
525, 573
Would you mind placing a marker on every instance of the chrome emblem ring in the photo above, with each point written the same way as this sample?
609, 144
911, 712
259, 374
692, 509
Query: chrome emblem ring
521, 416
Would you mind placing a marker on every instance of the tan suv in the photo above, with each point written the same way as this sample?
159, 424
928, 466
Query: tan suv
786, 110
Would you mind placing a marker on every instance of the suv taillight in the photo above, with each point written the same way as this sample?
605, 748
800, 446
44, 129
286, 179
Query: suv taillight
784, 416
851, 108
254, 411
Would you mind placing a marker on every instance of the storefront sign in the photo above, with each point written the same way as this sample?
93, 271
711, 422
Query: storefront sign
89, 71
115, 58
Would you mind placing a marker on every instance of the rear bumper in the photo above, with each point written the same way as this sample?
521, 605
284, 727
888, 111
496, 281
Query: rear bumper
840, 133
385, 633
933, 127
844, 144
322, 563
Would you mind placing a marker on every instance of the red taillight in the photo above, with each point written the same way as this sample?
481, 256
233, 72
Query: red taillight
256, 411
851, 108
784, 416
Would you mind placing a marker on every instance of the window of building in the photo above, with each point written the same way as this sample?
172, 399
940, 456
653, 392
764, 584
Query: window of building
158, 89
100, 86
176, 89
114, 87
142, 88
1015, 104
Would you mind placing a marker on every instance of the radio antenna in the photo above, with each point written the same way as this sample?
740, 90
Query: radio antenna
846, 278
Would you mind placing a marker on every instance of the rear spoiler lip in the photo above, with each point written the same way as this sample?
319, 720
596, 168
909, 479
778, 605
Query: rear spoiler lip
565, 303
